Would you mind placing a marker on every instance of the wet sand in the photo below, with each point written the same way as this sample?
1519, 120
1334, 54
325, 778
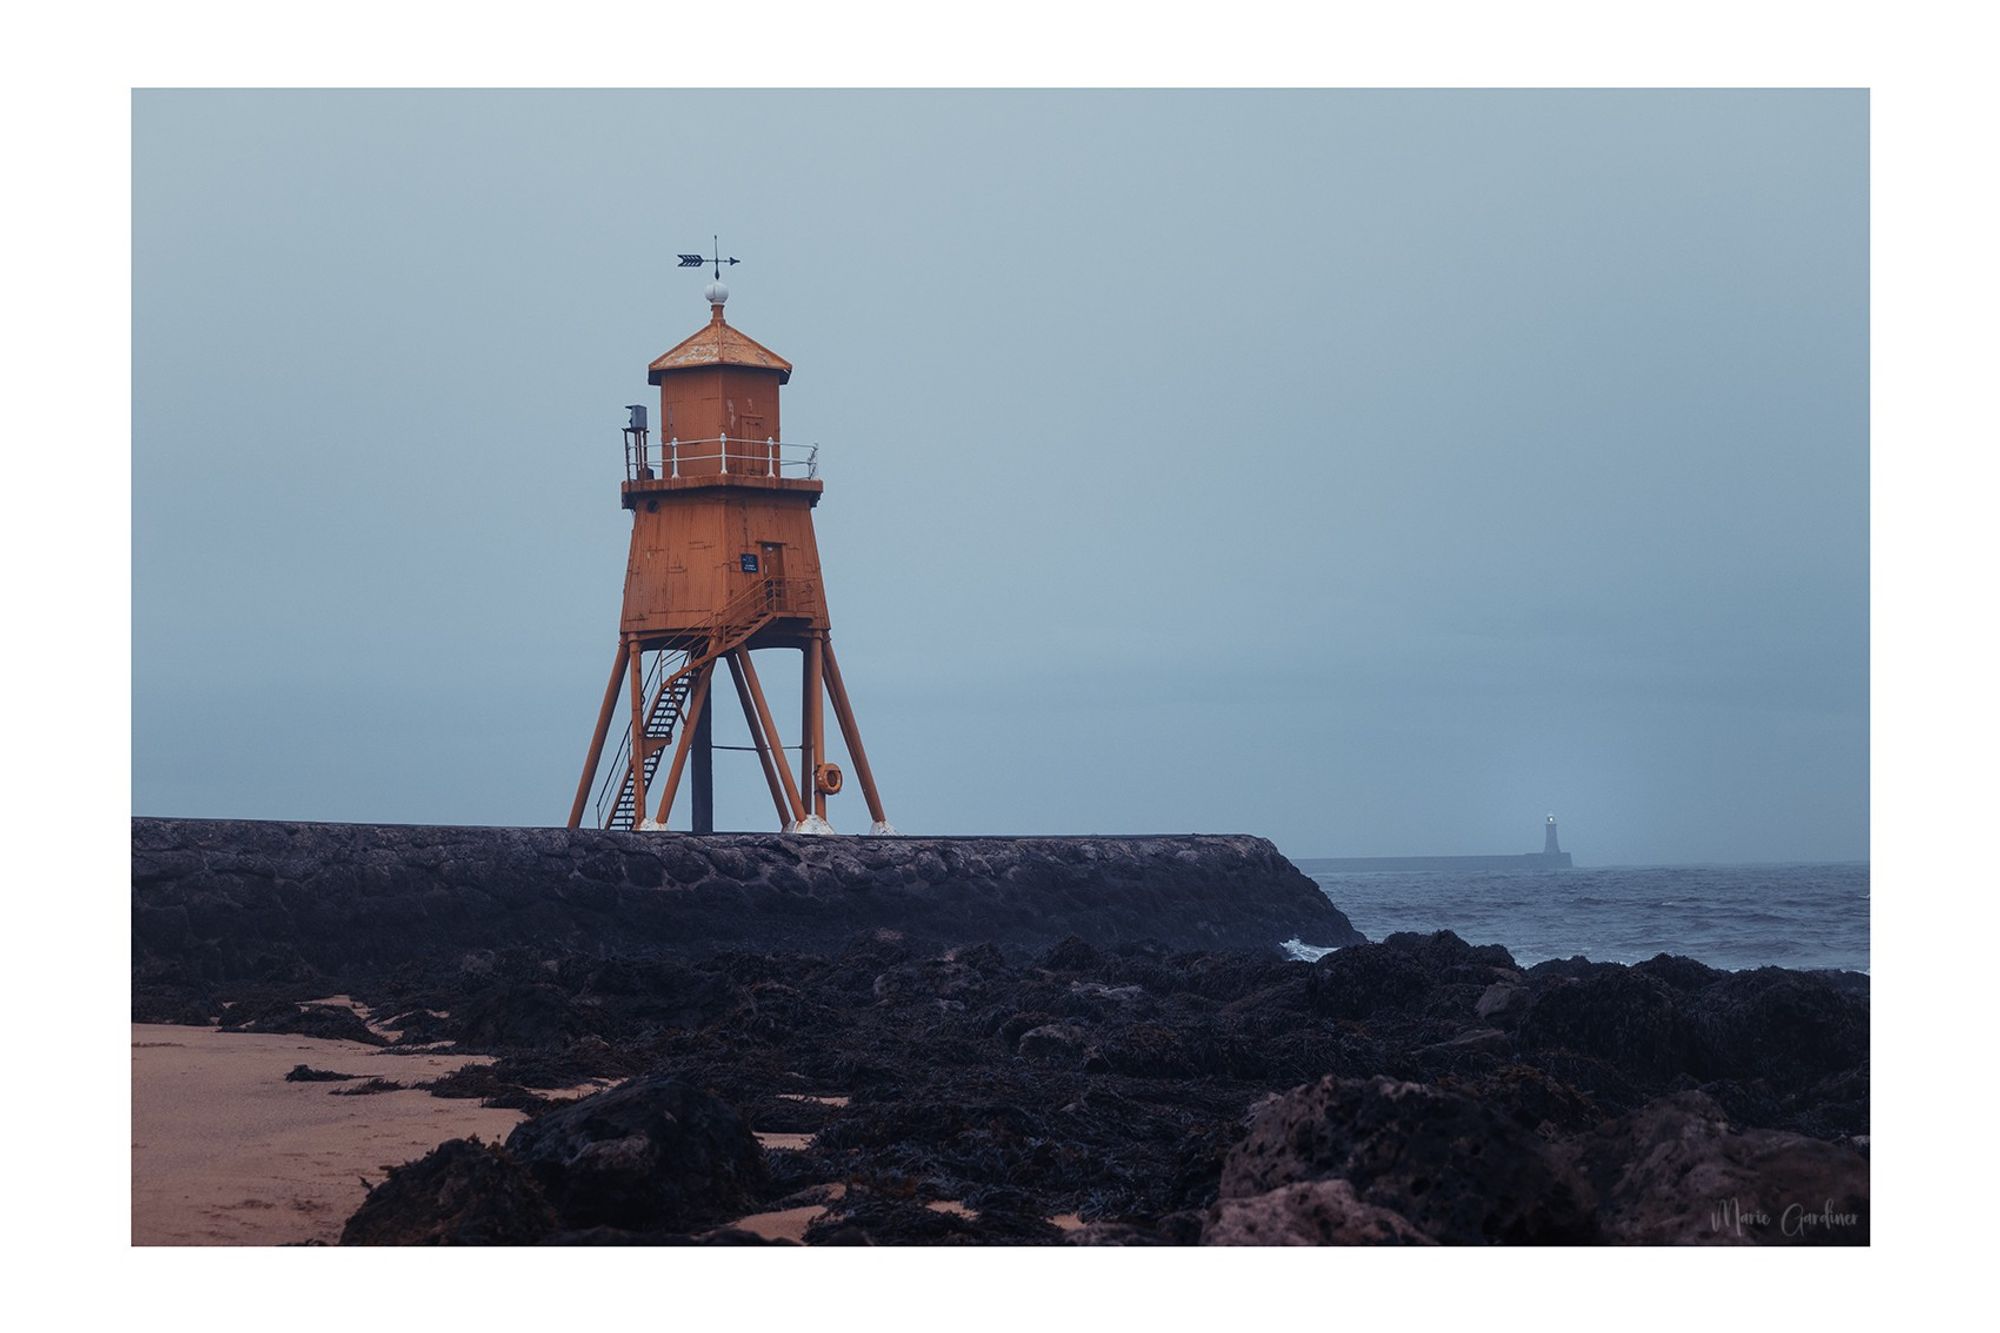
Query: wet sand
791, 1223
225, 1152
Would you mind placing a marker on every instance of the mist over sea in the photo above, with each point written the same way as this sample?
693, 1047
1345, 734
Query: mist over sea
1806, 916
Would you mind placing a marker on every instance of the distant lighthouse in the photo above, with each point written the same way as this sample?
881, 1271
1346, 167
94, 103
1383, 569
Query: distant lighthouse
1549, 847
723, 562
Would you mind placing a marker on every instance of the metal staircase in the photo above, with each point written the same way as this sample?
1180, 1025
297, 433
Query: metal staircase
671, 681
663, 718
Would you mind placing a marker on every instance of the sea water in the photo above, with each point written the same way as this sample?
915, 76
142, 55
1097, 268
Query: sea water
1807, 916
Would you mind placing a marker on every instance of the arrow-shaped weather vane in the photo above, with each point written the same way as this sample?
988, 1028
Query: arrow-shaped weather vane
696, 261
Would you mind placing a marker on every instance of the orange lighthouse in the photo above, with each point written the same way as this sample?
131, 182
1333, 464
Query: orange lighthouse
723, 562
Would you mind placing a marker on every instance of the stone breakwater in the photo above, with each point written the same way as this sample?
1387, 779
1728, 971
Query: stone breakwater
238, 899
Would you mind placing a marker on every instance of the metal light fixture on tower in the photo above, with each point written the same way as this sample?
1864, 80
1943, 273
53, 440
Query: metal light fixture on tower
723, 562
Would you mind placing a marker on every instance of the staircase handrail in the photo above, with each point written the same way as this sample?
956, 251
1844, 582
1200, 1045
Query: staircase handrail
740, 617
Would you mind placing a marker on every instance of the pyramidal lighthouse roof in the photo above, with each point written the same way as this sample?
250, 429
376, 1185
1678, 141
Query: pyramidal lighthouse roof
718, 345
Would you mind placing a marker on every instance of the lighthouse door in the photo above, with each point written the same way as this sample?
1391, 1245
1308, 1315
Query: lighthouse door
773, 563
755, 455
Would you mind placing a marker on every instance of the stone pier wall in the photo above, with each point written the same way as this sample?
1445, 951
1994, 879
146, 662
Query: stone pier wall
232, 899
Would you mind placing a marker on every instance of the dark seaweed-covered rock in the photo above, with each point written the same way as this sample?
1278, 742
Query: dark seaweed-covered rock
313, 1020
613, 1236
460, 1193
1777, 1025
369, 1089
535, 1016
1682, 974
654, 1154
1531, 1097
482, 1083
419, 1027
866, 1218
1117, 1087
1677, 1172
1154, 1050
1071, 955
307, 1074
1320, 1212
1502, 1003
1119, 1233
1615, 1014
1055, 1044
1357, 982
663, 992
1457, 1170
890, 1222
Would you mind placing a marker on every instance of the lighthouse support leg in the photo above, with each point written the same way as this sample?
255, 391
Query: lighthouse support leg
806, 756
697, 702
757, 740
770, 727
812, 732
596, 754
850, 733
701, 814
638, 756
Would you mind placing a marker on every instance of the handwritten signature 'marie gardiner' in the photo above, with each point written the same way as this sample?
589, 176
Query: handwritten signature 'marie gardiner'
1730, 1215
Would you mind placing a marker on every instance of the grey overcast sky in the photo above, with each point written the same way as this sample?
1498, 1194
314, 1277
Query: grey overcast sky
1374, 471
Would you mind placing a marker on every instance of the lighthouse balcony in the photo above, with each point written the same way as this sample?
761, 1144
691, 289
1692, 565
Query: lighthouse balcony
723, 456
756, 609
725, 462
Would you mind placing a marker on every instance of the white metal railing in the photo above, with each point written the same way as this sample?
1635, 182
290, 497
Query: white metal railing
722, 455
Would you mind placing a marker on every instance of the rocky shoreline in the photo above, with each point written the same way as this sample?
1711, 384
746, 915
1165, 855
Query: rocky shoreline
904, 1087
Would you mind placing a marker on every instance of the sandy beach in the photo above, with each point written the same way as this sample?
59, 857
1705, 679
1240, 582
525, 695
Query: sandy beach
226, 1152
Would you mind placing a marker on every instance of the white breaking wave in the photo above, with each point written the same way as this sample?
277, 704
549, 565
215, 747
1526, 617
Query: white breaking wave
1306, 953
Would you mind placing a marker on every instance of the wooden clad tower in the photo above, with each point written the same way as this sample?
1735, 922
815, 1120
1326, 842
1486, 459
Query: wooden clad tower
723, 562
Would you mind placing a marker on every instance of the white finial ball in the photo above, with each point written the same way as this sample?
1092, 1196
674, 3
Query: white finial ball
716, 293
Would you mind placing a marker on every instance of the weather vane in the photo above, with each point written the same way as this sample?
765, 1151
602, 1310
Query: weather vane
696, 261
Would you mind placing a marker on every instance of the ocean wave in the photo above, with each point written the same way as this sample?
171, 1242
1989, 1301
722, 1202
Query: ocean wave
1805, 916
1307, 953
